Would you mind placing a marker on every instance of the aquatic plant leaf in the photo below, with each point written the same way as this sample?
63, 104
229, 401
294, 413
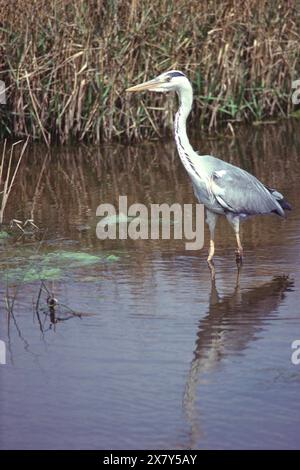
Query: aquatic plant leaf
4, 235
71, 258
32, 274
112, 258
116, 219
296, 114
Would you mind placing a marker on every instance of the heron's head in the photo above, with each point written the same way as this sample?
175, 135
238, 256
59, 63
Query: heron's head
173, 80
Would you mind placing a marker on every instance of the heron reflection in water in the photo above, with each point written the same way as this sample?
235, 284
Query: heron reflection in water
230, 325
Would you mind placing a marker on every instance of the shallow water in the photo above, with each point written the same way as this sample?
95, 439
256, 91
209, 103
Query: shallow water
144, 349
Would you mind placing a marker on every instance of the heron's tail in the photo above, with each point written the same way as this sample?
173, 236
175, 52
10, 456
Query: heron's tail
284, 204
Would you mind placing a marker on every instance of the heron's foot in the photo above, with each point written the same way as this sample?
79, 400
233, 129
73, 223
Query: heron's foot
239, 256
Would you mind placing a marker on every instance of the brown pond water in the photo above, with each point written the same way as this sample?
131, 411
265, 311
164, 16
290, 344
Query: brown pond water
144, 350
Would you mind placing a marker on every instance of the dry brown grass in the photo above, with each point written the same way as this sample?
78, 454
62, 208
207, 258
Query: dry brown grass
67, 63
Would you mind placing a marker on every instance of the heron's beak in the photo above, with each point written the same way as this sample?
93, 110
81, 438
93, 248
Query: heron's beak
150, 85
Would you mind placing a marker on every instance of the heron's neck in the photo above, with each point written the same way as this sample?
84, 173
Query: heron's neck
182, 141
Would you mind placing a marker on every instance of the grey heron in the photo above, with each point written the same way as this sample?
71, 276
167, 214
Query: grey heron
223, 188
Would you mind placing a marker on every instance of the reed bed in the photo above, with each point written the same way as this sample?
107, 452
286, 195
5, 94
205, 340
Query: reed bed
66, 64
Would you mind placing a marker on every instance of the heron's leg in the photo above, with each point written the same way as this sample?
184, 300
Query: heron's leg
211, 220
240, 248
211, 250
235, 222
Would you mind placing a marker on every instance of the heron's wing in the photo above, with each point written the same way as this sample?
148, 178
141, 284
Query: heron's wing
240, 192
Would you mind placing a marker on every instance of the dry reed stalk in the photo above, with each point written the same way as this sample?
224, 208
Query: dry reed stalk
8, 181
